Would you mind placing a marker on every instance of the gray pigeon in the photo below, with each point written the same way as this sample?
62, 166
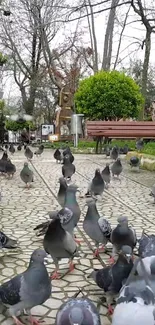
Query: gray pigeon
12, 148
72, 204
139, 144
58, 156
3, 162
149, 263
28, 289
153, 192
116, 168
146, 245
96, 227
10, 168
39, 151
28, 153
110, 278
107, 151
106, 175
43, 227
26, 175
6, 242
135, 162
114, 153
65, 215
79, 311
122, 235
59, 244
62, 191
136, 302
68, 169
97, 185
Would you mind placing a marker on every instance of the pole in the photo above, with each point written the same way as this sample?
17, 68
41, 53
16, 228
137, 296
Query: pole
76, 134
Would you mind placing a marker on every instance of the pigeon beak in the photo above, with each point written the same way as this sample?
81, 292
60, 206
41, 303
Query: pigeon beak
128, 257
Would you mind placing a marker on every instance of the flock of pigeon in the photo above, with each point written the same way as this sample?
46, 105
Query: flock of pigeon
128, 281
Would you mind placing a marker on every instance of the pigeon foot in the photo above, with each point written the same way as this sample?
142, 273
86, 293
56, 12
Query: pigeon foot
17, 321
71, 267
110, 310
77, 241
55, 275
34, 321
96, 253
111, 260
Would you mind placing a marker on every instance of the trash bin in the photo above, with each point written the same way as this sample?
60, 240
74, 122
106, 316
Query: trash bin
76, 124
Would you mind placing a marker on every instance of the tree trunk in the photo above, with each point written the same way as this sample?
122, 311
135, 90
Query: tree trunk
145, 69
107, 53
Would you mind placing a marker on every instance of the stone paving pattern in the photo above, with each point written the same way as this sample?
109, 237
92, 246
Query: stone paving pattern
22, 210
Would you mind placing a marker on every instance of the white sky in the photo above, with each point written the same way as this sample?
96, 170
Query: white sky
132, 32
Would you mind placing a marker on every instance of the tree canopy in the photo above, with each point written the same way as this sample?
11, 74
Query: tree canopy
16, 126
108, 95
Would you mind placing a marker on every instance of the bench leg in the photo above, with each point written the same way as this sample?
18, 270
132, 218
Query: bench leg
98, 141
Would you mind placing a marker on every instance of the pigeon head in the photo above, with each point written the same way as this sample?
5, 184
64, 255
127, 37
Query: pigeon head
93, 274
76, 316
97, 172
25, 164
122, 220
62, 181
38, 256
126, 251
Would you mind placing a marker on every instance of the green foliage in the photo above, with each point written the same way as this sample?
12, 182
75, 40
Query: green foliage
16, 126
3, 59
108, 95
2, 105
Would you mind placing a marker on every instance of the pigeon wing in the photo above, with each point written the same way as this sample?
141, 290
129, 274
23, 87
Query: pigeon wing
10, 291
104, 226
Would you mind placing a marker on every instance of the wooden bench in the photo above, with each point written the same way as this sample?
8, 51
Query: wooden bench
119, 130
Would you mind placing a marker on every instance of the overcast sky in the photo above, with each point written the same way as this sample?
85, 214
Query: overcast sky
133, 33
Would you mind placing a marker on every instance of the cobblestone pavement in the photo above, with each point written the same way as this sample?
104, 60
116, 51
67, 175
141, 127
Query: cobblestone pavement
22, 210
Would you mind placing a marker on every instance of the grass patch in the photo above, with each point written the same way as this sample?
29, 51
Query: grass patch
149, 148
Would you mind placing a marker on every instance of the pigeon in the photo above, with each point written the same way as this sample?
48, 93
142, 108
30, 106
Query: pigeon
62, 191
97, 185
26, 175
136, 302
25, 146
96, 227
19, 147
106, 175
149, 263
116, 168
68, 169
122, 235
43, 227
10, 168
110, 278
3, 162
28, 153
146, 245
107, 151
139, 144
64, 215
72, 205
40, 150
134, 162
59, 244
66, 151
114, 153
6, 242
58, 155
28, 289
6, 146
125, 149
12, 148
69, 154
153, 192
78, 311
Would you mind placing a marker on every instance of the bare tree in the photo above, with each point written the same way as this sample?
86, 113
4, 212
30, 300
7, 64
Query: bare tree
146, 15
108, 41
